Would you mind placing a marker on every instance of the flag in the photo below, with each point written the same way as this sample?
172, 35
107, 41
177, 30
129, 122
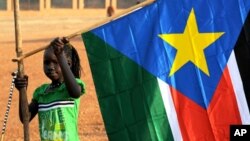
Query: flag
173, 70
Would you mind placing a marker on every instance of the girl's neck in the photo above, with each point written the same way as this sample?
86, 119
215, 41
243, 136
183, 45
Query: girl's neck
56, 84
53, 85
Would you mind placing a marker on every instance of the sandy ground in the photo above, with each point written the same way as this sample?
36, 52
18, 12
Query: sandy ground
37, 31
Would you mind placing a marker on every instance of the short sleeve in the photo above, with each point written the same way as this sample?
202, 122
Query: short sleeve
82, 85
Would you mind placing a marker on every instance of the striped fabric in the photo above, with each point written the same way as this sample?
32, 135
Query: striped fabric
56, 104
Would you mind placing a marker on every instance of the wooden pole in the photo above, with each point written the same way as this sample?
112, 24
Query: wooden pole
22, 92
108, 19
2, 137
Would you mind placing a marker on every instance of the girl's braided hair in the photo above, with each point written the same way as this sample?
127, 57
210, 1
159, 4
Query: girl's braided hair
72, 53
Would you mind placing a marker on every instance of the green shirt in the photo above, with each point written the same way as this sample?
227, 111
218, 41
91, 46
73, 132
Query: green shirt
58, 113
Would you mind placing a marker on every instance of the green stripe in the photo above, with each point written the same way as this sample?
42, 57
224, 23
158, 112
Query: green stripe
129, 97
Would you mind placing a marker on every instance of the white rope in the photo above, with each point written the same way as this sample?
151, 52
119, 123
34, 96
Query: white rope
9, 103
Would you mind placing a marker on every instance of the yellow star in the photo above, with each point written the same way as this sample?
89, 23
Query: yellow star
190, 45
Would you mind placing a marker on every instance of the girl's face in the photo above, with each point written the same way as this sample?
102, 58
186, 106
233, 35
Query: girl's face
51, 67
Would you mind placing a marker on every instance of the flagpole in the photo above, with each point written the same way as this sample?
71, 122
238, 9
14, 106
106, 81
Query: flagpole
22, 91
107, 20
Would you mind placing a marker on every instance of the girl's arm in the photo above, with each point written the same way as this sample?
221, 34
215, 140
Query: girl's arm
33, 109
33, 106
69, 79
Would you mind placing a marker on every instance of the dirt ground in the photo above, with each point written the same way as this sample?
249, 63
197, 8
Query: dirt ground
38, 30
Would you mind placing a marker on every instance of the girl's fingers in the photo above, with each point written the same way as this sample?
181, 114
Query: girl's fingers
65, 40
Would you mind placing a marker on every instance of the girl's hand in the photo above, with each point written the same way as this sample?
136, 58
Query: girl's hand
58, 44
21, 82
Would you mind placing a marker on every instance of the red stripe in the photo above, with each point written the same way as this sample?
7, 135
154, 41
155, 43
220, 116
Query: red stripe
223, 109
198, 124
193, 120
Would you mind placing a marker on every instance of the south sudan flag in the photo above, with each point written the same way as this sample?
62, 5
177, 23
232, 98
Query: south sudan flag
173, 70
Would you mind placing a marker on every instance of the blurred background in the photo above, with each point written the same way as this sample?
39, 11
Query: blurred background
40, 5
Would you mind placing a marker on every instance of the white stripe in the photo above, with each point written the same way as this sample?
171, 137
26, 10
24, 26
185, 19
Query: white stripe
54, 107
170, 109
57, 102
238, 89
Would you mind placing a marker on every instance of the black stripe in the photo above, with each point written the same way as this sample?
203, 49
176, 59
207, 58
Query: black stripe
242, 53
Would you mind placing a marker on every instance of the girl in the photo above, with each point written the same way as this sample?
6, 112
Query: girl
57, 103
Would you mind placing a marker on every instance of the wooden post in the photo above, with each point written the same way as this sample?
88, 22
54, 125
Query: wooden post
81, 4
9, 5
22, 92
48, 4
74, 4
41, 5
